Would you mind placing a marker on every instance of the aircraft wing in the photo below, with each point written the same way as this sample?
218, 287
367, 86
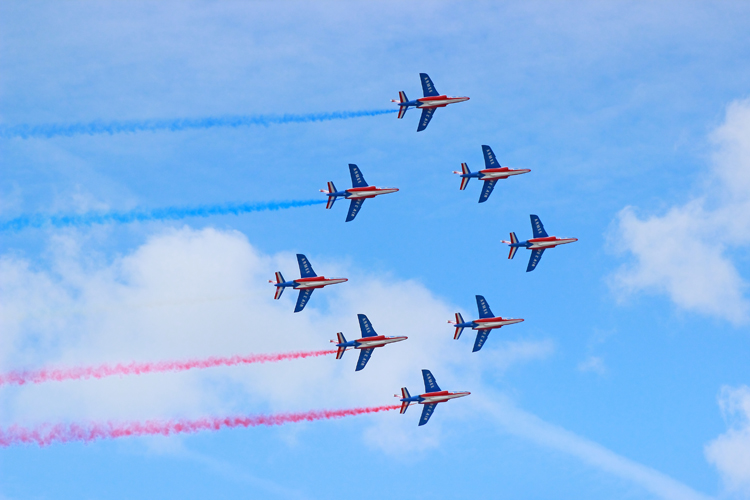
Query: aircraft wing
429, 382
304, 296
427, 412
358, 180
425, 118
487, 190
366, 326
481, 339
536, 256
489, 157
354, 208
427, 86
537, 227
305, 269
484, 308
364, 357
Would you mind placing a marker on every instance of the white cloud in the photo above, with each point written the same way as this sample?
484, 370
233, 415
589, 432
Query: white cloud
730, 452
683, 253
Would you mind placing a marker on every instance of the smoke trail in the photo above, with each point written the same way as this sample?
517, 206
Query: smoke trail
47, 434
168, 213
174, 125
108, 370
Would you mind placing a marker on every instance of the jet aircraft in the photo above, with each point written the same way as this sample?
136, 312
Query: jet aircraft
486, 322
432, 396
492, 173
306, 284
428, 104
538, 244
358, 193
369, 341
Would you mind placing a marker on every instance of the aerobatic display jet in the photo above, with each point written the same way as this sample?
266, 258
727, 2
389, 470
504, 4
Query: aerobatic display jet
307, 282
358, 193
486, 322
428, 104
432, 396
492, 173
538, 244
369, 341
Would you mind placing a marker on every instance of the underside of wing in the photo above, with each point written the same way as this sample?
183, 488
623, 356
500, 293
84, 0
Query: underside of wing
487, 190
537, 227
305, 269
304, 297
424, 120
358, 180
364, 357
366, 326
427, 412
484, 308
536, 256
354, 208
481, 339
428, 88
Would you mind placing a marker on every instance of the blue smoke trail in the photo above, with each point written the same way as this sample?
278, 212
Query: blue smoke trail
118, 127
158, 214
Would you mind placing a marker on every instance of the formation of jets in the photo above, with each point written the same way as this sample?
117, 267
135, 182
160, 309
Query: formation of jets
361, 191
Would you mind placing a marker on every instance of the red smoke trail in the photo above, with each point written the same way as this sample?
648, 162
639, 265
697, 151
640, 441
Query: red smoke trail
106, 370
47, 434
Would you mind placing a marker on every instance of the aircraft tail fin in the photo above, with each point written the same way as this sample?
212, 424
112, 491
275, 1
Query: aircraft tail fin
405, 395
459, 329
464, 180
513, 250
402, 99
279, 289
331, 199
342, 350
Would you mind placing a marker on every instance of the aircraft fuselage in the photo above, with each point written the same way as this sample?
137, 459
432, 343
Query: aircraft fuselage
315, 282
439, 101
371, 342
440, 397
489, 323
548, 242
489, 174
367, 192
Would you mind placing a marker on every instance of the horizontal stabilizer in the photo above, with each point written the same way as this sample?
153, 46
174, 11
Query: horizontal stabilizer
512, 252
402, 111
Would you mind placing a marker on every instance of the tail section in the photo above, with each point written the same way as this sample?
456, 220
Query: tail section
342, 350
405, 395
331, 199
513, 250
279, 289
401, 99
459, 329
464, 180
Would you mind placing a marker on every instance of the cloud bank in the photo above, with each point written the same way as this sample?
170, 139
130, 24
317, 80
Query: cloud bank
730, 452
686, 253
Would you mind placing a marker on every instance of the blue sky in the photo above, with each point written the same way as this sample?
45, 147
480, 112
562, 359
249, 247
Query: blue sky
628, 378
